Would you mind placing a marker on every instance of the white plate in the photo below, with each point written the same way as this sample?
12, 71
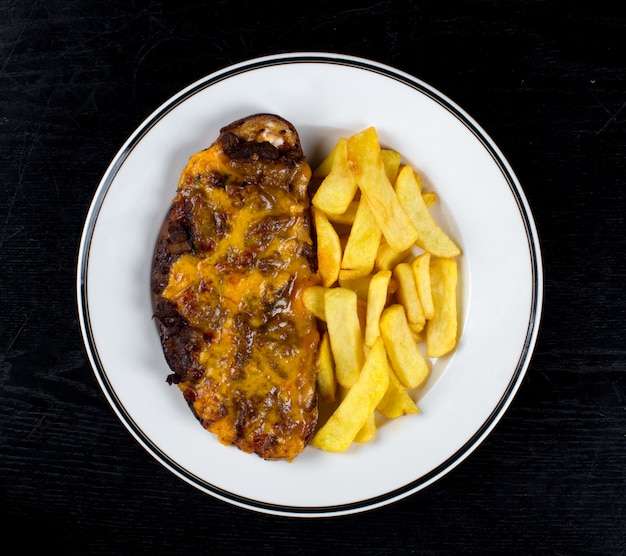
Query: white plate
482, 205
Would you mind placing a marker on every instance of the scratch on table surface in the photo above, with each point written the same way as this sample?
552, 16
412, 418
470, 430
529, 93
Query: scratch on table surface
155, 41
36, 427
17, 41
25, 155
612, 117
17, 334
4, 234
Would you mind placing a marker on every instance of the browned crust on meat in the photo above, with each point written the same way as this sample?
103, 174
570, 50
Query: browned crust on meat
239, 203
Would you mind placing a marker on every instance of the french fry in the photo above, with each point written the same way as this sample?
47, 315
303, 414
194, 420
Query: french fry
362, 245
345, 218
417, 331
326, 383
313, 300
338, 188
396, 401
407, 361
421, 272
393, 286
430, 198
355, 409
368, 430
376, 301
391, 162
344, 330
368, 169
441, 330
351, 274
387, 258
407, 295
328, 249
360, 285
430, 236
326, 165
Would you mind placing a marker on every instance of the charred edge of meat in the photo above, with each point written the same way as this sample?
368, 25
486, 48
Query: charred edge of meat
244, 139
181, 343
239, 149
175, 240
265, 150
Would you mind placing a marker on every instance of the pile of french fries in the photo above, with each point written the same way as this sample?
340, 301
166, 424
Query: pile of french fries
388, 283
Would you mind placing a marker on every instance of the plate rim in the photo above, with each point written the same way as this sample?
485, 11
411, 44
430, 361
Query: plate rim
515, 188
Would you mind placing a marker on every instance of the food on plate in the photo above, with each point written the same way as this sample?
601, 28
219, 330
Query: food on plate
229, 273
361, 248
396, 402
377, 294
393, 287
430, 237
313, 299
441, 331
358, 404
406, 359
326, 382
329, 258
421, 273
336, 193
407, 295
275, 293
344, 331
369, 172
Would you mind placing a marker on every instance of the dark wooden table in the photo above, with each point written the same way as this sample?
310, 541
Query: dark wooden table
547, 81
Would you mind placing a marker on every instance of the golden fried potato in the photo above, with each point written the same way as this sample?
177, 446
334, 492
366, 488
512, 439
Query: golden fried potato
360, 285
387, 257
326, 165
376, 301
355, 409
421, 272
430, 198
368, 430
417, 331
351, 275
313, 300
406, 359
362, 245
407, 295
396, 401
328, 249
345, 218
430, 236
344, 330
441, 330
338, 188
391, 162
326, 383
368, 169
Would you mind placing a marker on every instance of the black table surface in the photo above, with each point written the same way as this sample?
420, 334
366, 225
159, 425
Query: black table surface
546, 80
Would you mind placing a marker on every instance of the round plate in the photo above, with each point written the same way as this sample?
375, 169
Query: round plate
481, 205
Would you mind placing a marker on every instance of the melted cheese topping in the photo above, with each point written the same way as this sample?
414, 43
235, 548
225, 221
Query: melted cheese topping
241, 287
